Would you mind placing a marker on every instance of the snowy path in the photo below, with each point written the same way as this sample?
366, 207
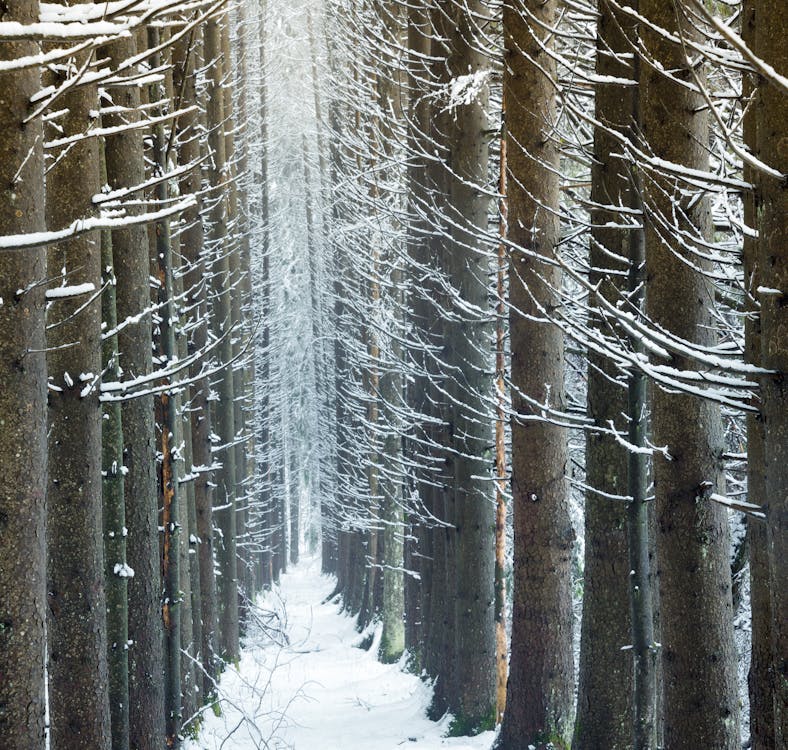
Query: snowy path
321, 692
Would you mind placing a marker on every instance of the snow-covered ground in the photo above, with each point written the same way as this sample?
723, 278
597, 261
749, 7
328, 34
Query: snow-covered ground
321, 691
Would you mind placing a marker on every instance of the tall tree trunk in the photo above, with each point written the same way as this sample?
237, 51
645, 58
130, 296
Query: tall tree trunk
76, 625
168, 410
23, 403
501, 638
440, 655
222, 280
421, 314
606, 689
761, 676
771, 210
187, 57
328, 535
392, 512
693, 545
126, 169
234, 72
540, 690
467, 361
114, 509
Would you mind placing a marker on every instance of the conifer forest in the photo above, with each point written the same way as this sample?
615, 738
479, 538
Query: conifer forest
473, 313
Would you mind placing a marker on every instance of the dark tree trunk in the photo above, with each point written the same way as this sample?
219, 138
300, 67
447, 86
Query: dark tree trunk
761, 675
540, 690
126, 168
114, 512
167, 404
771, 210
76, 626
693, 545
419, 557
606, 685
222, 322
23, 394
468, 361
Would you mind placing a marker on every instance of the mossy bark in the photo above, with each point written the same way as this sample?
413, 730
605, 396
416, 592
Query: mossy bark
114, 511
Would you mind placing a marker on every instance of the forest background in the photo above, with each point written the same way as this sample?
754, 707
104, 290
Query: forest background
485, 300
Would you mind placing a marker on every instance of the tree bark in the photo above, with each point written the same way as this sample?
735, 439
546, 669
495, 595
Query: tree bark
23, 403
468, 362
114, 509
126, 169
700, 693
222, 280
606, 684
771, 210
76, 625
168, 412
501, 637
417, 613
761, 674
540, 690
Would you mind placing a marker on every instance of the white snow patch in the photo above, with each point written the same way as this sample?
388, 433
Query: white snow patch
121, 570
464, 90
320, 691
70, 291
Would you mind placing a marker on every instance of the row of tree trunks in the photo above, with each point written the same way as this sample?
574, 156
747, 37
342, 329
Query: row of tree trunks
625, 696
88, 531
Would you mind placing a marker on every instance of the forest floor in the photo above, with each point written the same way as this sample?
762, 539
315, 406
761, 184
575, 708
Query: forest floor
318, 689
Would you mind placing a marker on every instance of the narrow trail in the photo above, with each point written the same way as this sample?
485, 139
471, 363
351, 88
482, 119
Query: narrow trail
321, 691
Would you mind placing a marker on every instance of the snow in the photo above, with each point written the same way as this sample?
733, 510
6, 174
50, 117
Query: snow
70, 291
121, 570
320, 690
464, 90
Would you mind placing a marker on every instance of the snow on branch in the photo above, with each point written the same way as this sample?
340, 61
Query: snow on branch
81, 226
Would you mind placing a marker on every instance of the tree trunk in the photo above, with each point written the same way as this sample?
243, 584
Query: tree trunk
501, 637
468, 362
114, 509
693, 545
76, 625
126, 168
540, 690
23, 404
223, 322
187, 57
771, 209
606, 689
761, 676
417, 614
